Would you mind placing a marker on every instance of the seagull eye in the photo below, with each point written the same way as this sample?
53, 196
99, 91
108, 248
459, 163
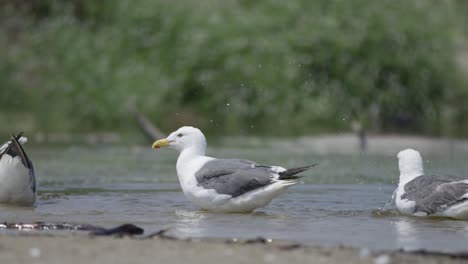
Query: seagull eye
180, 135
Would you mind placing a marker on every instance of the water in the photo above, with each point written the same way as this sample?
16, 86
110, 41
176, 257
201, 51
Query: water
341, 202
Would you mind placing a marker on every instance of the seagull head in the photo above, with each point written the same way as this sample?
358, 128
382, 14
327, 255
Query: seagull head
186, 137
410, 164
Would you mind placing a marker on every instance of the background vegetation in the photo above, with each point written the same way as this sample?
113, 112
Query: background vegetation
234, 67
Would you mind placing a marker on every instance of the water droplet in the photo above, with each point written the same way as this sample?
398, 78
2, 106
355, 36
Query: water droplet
364, 253
35, 252
228, 104
229, 252
269, 258
382, 259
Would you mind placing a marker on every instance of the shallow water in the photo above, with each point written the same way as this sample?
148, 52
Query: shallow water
341, 202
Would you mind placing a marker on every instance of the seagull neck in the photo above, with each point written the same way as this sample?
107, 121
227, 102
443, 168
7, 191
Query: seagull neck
191, 152
407, 177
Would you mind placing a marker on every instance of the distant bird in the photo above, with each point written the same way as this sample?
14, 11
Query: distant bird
224, 185
17, 179
421, 195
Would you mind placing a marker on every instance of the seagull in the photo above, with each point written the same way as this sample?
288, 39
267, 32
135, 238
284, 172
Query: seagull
421, 195
224, 185
17, 179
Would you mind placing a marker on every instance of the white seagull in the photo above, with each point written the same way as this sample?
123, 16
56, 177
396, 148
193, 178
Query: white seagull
224, 185
421, 195
17, 180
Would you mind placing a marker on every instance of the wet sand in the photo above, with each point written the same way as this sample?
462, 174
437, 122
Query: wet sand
47, 248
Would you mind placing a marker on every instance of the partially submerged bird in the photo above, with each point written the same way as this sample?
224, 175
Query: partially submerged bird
17, 179
421, 195
224, 185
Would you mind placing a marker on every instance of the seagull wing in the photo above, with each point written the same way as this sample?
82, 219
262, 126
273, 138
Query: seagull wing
443, 196
234, 176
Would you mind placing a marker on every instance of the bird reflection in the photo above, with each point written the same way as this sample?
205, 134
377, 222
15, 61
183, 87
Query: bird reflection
407, 234
190, 223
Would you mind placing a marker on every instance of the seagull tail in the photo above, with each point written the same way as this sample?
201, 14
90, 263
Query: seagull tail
290, 174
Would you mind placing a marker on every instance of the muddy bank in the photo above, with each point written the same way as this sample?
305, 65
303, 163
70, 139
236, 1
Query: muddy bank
79, 248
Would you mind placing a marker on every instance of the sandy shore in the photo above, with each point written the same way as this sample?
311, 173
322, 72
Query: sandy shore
84, 249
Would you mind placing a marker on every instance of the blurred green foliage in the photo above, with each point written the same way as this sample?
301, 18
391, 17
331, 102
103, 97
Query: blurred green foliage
234, 67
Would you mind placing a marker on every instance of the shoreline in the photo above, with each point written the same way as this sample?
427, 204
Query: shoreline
349, 144
337, 143
77, 247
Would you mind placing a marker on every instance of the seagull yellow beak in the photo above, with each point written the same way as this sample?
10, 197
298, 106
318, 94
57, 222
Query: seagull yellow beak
161, 143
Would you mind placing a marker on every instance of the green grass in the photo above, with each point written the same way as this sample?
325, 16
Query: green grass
234, 67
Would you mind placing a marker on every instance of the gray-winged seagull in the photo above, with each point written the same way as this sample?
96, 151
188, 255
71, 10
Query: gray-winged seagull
224, 185
17, 180
421, 195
